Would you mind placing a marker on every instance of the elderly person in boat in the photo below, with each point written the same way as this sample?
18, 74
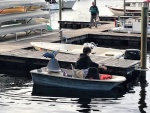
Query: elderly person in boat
90, 68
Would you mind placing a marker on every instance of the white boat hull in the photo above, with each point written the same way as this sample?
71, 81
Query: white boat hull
68, 4
118, 11
54, 6
26, 3
65, 5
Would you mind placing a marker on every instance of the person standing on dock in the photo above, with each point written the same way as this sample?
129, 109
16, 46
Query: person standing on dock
90, 69
94, 12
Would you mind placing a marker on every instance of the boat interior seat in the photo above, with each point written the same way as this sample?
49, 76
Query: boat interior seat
76, 73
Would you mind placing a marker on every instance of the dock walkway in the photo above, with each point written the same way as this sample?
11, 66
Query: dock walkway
121, 66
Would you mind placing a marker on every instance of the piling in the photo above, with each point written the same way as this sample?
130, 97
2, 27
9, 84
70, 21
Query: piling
95, 2
144, 36
124, 6
60, 18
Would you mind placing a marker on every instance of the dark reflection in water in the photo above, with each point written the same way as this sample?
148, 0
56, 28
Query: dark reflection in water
143, 84
84, 105
7, 82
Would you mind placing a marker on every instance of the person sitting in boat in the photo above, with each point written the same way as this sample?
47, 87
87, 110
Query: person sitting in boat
90, 68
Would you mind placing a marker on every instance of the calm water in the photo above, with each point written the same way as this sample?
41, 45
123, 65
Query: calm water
16, 93
16, 96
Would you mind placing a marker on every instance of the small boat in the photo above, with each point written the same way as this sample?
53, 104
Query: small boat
130, 26
13, 10
76, 49
131, 7
53, 76
66, 4
28, 4
54, 79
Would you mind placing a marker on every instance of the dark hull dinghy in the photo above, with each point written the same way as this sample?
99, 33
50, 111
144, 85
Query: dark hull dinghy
53, 76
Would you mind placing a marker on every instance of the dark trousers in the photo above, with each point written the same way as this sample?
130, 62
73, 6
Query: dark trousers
93, 21
93, 73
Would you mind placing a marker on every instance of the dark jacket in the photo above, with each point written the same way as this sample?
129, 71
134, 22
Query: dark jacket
94, 10
85, 62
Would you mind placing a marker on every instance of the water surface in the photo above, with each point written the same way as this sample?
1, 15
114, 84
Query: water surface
16, 92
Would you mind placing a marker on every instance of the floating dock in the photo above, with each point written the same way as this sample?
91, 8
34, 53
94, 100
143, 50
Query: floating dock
32, 58
20, 56
85, 24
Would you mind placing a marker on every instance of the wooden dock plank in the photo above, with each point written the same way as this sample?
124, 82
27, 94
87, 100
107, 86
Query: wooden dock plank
108, 61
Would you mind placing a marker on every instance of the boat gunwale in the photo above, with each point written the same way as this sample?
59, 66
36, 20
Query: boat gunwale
82, 79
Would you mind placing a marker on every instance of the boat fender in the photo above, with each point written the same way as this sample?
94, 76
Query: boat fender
105, 76
91, 45
65, 73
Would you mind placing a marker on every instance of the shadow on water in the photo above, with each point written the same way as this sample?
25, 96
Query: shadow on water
39, 90
143, 85
84, 104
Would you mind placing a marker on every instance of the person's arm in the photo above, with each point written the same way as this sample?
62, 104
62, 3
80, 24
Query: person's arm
91, 63
97, 10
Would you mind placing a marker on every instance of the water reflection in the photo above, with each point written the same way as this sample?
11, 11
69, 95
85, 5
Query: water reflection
86, 101
17, 93
143, 85
84, 105
7, 82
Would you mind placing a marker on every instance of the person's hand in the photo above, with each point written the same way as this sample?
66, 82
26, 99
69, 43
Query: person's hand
103, 67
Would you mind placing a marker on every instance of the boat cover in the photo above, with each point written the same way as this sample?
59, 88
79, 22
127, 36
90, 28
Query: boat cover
20, 16
14, 3
22, 27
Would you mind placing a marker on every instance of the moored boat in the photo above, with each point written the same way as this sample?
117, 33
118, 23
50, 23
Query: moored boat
13, 10
28, 4
131, 7
39, 90
130, 26
66, 4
